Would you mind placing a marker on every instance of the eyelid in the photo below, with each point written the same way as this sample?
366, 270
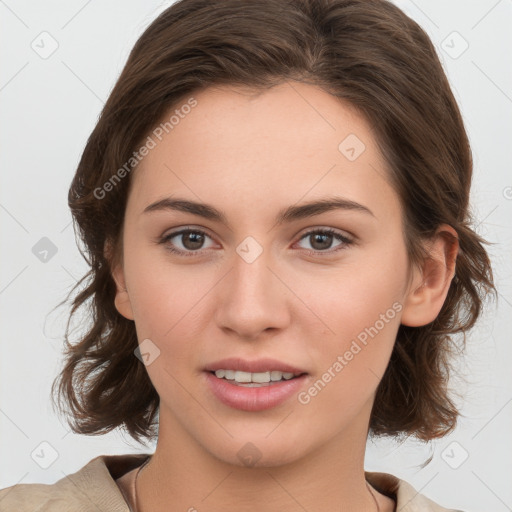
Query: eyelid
186, 228
341, 232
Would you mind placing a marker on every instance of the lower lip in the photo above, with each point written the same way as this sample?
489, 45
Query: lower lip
254, 399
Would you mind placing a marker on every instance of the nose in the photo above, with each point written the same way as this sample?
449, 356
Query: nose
253, 298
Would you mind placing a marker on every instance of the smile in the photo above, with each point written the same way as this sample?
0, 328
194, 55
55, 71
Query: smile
257, 379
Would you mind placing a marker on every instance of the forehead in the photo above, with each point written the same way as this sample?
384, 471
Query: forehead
261, 148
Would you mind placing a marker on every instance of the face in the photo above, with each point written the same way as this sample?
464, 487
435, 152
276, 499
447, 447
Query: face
317, 292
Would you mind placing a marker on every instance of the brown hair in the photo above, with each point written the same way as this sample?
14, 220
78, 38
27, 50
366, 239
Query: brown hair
366, 52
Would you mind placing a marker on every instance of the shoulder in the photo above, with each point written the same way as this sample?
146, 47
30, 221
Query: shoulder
407, 498
92, 487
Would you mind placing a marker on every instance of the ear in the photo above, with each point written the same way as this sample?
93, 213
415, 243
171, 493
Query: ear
122, 299
430, 284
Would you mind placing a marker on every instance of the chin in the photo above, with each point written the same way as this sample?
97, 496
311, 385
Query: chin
256, 452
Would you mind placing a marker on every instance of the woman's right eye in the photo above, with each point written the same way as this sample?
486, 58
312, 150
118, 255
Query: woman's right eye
191, 241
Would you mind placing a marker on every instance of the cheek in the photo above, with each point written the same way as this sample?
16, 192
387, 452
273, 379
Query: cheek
168, 300
168, 310
360, 309
353, 296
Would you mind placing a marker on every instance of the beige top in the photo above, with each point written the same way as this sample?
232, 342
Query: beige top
106, 483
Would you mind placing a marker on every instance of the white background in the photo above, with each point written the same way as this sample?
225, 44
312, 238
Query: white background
48, 107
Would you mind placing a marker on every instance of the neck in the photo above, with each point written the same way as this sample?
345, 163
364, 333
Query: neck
182, 475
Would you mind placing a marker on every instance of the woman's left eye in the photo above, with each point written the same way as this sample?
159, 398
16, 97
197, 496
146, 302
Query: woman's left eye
192, 241
324, 237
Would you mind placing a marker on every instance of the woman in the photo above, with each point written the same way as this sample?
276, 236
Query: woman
274, 206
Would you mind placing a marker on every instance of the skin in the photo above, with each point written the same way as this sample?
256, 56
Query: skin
250, 155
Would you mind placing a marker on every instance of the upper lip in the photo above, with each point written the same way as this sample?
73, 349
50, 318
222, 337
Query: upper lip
257, 366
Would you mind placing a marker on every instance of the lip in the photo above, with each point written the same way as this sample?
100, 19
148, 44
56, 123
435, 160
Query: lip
257, 366
253, 399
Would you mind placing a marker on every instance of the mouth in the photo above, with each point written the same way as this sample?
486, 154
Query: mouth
256, 379
253, 385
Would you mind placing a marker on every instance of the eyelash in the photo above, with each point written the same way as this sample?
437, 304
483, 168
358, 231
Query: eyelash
329, 231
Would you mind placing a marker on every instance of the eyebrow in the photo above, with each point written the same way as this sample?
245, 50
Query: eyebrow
289, 214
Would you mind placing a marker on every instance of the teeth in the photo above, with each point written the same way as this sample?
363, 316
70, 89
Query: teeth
279, 375
259, 377
242, 377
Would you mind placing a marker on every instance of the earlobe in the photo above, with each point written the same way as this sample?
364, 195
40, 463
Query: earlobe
431, 283
122, 299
